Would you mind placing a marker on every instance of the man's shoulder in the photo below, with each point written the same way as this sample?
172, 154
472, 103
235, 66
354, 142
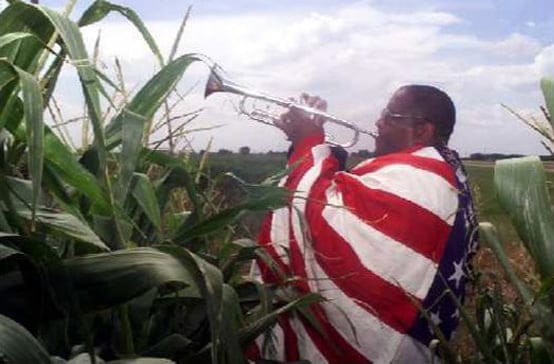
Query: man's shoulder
416, 156
423, 159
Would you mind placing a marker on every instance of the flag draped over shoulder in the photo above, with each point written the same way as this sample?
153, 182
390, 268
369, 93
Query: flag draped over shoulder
381, 243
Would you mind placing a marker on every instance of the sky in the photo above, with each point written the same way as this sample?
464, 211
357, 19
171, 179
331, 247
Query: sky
483, 53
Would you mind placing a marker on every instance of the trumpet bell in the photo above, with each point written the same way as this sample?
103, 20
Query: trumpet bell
214, 84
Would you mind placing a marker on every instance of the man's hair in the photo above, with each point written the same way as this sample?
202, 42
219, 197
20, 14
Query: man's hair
433, 104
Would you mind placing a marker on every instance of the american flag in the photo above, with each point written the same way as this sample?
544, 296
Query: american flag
382, 243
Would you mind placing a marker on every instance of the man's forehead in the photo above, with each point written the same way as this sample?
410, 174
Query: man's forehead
400, 99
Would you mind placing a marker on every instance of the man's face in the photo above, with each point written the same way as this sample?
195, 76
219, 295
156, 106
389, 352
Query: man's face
397, 126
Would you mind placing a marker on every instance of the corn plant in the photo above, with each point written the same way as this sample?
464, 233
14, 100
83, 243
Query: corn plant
522, 190
96, 258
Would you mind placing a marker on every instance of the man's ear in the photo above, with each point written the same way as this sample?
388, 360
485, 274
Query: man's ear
425, 133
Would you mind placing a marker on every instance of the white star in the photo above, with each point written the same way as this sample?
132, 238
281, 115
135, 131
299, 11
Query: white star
435, 319
458, 273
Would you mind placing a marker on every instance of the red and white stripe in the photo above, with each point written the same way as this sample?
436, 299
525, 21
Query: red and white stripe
369, 241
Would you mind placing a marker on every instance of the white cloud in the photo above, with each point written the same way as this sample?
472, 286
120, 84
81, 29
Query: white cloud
355, 57
545, 62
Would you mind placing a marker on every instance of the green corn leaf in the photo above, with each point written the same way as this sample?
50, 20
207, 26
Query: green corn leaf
103, 280
34, 126
65, 164
145, 195
475, 331
34, 250
225, 217
132, 135
58, 223
50, 78
75, 48
42, 22
231, 322
31, 17
61, 194
209, 280
151, 96
178, 176
522, 191
105, 227
25, 52
24, 32
539, 352
60, 159
7, 76
233, 255
488, 231
17, 345
8, 83
128, 127
26, 293
33, 106
73, 44
9, 38
66, 225
547, 86
23, 282
256, 328
100, 9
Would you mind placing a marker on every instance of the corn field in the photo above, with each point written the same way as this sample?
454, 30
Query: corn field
119, 252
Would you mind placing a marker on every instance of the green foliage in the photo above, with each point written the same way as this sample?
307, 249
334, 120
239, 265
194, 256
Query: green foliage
116, 249
17, 345
252, 167
521, 187
522, 190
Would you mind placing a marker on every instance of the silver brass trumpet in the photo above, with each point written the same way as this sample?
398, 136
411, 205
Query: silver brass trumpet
217, 83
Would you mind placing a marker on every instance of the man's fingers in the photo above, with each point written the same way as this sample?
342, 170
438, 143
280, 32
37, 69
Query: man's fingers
315, 102
297, 123
320, 104
282, 121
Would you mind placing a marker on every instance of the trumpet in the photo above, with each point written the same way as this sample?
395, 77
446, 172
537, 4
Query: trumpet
217, 83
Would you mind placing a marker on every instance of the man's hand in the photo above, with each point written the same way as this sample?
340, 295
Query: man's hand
298, 124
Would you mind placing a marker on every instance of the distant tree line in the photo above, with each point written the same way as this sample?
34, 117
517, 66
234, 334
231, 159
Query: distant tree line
365, 154
497, 156
245, 150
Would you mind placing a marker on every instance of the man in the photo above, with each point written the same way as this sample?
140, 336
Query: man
382, 243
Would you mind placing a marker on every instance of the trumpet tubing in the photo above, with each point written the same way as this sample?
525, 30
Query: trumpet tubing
216, 83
